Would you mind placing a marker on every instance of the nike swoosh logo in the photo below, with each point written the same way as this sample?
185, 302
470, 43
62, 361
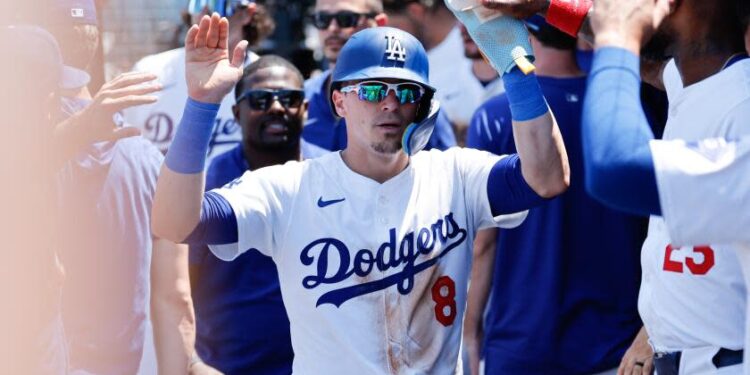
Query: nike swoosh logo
322, 203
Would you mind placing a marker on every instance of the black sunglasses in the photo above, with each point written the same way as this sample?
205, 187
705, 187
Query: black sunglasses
261, 100
344, 18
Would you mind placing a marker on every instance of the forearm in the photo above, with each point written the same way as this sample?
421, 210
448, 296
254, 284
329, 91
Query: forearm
481, 282
172, 307
538, 140
179, 190
617, 158
477, 296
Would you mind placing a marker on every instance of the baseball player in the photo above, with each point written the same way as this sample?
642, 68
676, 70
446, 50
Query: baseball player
336, 21
238, 304
693, 298
373, 243
159, 121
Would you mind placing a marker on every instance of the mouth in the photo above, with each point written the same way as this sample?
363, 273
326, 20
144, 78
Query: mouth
275, 129
334, 42
389, 127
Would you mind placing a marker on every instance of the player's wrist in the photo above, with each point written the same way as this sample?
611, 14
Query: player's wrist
524, 95
187, 153
567, 16
617, 39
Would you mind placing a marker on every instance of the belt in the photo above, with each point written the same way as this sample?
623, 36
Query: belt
669, 363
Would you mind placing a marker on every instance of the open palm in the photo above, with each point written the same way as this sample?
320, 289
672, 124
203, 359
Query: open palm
209, 72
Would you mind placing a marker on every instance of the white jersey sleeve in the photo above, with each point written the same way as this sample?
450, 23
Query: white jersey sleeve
704, 189
475, 167
258, 199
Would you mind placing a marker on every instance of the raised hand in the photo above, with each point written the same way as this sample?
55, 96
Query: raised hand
209, 72
627, 24
95, 122
517, 8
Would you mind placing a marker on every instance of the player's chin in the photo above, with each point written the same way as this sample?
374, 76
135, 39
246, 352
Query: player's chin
388, 146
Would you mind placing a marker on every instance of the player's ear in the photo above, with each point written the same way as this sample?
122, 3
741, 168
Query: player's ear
381, 19
247, 14
338, 103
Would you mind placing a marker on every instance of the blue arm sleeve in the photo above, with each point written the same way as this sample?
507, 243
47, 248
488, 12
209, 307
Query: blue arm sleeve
617, 159
187, 153
507, 190
217, 226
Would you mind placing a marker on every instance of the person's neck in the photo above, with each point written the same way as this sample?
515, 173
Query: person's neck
483, 71
257, 159
556, 63
374, 165
704, 52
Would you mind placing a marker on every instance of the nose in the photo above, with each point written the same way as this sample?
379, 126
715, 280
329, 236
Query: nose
333, 26
276, 106
390, 103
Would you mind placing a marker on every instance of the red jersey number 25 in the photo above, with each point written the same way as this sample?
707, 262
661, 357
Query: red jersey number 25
695, 268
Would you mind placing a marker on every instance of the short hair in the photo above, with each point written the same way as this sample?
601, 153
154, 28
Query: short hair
400, 6
266, 61
553, 38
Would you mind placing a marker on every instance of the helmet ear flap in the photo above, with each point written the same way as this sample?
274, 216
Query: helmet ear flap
424, 105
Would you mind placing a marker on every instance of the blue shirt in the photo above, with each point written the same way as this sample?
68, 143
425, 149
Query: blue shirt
325, 130
106, 195
565, 282
241, 321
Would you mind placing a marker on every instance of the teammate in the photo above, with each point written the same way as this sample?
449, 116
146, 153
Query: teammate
372, 246
692, 297
336, 21
559, 305
242, 325
112, 261
159, 121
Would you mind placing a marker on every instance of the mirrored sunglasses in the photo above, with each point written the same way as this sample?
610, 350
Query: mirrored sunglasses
376, 91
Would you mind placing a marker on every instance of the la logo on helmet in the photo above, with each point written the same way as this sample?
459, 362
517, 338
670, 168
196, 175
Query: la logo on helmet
394, 51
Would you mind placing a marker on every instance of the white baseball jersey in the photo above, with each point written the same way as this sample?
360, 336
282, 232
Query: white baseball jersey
159, 121
718, 173
694, 296
373, 276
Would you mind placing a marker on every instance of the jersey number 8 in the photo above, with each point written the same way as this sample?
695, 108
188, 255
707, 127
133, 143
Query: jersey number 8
444, 295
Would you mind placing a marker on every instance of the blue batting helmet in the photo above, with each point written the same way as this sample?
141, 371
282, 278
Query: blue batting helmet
383, 52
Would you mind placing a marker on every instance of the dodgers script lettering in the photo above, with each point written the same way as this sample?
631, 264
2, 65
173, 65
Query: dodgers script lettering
446, 233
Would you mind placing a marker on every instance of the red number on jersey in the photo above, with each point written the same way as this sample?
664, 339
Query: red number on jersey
444, 295
701, 268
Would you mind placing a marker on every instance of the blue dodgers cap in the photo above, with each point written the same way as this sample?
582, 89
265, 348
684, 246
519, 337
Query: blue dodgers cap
225, 8
34, 44
82, 12
383, 52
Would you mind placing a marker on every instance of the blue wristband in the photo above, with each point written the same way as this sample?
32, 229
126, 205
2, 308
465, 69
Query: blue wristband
524, 95
187, 153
